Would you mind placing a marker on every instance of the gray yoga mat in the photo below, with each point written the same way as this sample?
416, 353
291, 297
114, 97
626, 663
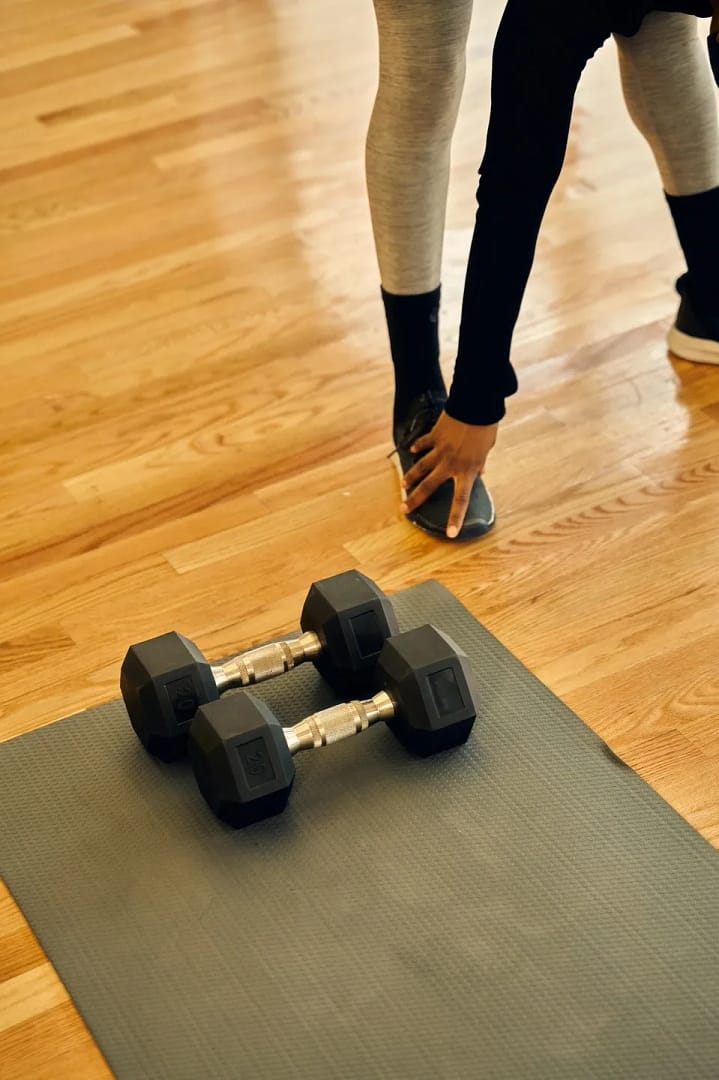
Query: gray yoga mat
523, 907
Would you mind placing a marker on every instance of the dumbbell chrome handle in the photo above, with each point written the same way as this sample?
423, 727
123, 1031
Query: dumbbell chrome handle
338, 722
265, 662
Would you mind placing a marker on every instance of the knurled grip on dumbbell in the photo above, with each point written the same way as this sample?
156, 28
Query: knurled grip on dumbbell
265, 662
338, 722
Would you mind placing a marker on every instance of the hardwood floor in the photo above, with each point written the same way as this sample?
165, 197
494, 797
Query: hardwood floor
196, 389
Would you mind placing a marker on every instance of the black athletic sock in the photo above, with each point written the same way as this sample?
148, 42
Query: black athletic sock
413, 325
696, 219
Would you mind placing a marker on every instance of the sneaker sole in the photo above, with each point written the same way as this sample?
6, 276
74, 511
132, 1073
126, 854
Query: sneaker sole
440, 534
698, 350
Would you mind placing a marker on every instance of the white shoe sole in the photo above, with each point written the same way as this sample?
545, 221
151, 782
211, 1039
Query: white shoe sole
699, 350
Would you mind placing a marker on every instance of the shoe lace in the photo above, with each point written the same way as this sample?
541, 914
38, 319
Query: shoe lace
423, 421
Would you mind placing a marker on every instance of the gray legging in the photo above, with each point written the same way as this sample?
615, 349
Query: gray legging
667, 86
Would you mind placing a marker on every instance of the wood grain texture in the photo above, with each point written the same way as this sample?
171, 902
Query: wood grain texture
196, 389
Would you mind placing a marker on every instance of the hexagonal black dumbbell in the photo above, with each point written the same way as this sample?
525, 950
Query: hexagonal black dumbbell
242, 756
345, 621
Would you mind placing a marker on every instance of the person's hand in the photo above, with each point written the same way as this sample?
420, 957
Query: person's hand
450, 449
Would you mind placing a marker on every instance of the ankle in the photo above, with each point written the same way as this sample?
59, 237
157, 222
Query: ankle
413, 327
406, 403
696, 220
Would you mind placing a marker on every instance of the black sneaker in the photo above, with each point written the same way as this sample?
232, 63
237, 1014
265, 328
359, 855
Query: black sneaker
692, 337
433, 515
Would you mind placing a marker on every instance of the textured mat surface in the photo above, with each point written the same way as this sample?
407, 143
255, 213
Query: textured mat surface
524, 907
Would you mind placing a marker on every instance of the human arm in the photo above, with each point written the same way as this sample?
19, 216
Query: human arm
538, 58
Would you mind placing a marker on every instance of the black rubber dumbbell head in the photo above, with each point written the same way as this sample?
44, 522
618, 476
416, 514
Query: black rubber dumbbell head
163, 681
432, 686
353, 618
240, 759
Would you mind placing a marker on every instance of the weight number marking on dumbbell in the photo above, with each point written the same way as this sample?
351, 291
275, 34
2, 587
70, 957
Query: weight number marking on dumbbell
256, 763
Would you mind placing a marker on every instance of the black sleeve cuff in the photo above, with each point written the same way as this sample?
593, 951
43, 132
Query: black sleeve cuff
477, 396
480, 411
